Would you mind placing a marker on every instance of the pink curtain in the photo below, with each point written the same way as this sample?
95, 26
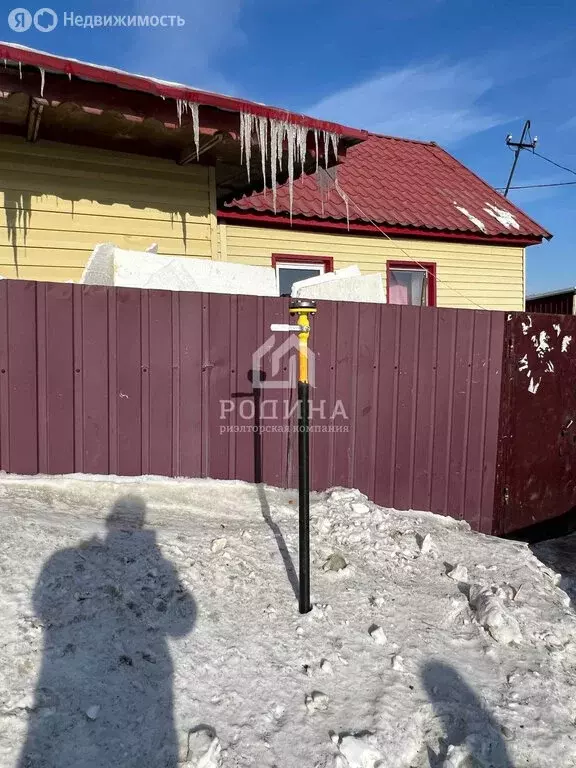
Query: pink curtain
398, 294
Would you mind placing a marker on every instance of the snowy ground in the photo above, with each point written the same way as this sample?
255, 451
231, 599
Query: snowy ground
181, 642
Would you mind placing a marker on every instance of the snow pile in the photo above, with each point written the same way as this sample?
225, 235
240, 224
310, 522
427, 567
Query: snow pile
153, 622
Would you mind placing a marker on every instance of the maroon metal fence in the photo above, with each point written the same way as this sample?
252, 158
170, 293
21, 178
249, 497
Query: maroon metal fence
125, 381
537, 448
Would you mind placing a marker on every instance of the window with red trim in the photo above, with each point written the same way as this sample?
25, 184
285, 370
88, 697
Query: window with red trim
290, 268
410, 283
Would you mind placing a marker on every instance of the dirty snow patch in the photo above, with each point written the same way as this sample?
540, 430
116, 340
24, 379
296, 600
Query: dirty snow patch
125, 634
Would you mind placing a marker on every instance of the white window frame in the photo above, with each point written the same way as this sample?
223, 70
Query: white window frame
297, 265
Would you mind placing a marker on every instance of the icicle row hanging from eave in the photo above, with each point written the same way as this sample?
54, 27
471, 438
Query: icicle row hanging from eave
271, 135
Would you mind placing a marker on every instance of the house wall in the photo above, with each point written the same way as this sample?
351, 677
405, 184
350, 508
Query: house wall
58, 201
468, 275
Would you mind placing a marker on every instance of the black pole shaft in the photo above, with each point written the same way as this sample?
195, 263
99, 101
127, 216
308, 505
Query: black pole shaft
304, 497
519, 147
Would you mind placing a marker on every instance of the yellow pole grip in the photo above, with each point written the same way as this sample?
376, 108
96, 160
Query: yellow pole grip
303, 335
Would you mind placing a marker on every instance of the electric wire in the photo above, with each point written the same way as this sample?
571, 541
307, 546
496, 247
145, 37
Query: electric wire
553, 162
429, 272
538, 186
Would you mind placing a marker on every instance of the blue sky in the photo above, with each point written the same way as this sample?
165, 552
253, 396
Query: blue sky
459, 72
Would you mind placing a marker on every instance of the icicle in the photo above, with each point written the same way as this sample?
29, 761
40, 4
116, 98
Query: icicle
242, 132
246, 126
316, 145
291, 138
344, 197
20, 69
182, 107
42, 81
325, 183
334, 141
326, 148
70, 76
301, 139
194, 111
274, 129
262, 133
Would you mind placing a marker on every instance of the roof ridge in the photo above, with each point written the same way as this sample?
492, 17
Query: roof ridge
401, 138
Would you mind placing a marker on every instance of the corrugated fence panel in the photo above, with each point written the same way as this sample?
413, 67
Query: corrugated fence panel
55, 341
91, 421
23, 438
127, 386
190, 402
117, 380
537, 448
384, 468
425, 413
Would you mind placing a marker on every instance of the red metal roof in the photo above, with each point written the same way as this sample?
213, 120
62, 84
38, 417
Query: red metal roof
162, 88
400, 184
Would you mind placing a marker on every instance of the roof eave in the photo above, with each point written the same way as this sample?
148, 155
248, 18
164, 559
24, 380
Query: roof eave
253, 218
163, 89
549, 294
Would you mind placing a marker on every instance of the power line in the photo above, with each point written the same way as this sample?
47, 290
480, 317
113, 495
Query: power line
543, 157
429, 272
553, 162
537, 186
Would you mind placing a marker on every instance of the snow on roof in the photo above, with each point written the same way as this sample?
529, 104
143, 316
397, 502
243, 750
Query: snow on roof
163, 88
474, 219
506, 218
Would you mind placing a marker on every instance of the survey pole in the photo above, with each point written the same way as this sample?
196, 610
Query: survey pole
303, 309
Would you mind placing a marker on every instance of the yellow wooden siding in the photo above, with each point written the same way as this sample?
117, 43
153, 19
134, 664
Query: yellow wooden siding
59, 201
468, 275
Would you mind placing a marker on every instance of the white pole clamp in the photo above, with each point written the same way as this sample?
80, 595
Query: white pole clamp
280, 327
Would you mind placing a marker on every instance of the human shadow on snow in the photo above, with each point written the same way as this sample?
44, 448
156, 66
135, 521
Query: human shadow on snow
104, 693
464, 719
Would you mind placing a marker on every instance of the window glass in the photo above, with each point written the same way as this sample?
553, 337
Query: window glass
408, 286
288, 274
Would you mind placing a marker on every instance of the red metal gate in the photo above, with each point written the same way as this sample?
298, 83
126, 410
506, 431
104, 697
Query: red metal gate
537, 447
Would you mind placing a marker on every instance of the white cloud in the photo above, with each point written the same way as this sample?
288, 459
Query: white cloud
187, 54
431, 101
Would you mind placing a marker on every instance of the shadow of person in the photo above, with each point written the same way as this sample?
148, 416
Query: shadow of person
104, 692
465, 721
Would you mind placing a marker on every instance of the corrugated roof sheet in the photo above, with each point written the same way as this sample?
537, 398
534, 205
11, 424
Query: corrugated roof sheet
402, 183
